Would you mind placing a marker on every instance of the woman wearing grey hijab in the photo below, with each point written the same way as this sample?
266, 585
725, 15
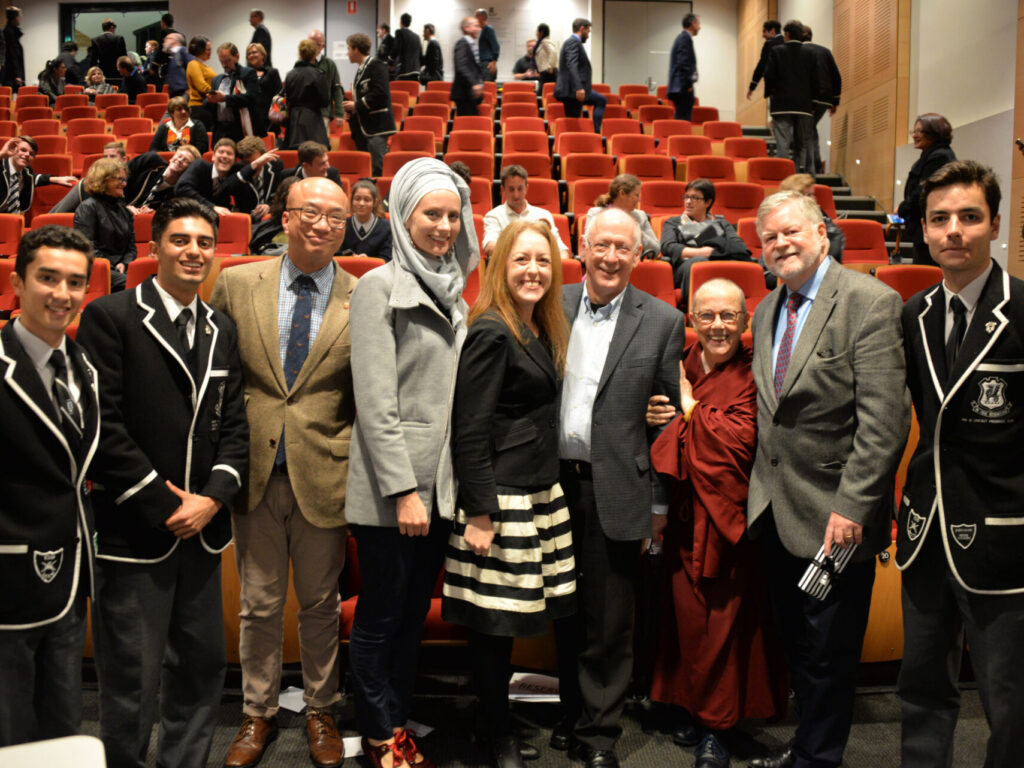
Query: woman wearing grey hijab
408, 322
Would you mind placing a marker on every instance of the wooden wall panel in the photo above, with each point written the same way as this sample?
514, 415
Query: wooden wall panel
750, 15
872, 47
1015, 258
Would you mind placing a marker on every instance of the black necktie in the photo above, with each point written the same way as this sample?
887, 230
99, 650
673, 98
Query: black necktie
181, 325
70, 413
956, 335
361, 231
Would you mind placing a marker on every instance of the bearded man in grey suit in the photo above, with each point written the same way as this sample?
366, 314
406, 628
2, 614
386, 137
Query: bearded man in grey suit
832, 420
625, 346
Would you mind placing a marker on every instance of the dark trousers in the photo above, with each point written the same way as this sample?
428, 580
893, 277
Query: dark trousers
158, 630
377, 146
822, 640
41, 678
491, 661
936, 612
684, 105
467, 107
597, 102
398, 574
595, 646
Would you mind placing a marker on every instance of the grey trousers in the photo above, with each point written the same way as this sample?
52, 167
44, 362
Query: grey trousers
792, 138
158, 630
41, 678
813, 143
936, 613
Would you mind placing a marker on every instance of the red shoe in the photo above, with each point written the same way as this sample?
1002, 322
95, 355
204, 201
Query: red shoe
377, 752
413, 756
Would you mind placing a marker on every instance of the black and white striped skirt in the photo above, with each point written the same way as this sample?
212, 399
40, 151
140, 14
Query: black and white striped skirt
527, 578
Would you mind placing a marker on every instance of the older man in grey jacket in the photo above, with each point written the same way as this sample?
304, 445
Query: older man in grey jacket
832, 420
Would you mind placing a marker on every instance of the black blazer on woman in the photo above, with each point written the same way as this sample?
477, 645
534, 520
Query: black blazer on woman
931, 159
109, 225
506, 415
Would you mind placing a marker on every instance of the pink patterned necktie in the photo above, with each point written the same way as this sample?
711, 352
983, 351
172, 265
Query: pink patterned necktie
786, 347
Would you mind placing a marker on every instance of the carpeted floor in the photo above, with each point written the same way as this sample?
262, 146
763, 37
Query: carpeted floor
448, 707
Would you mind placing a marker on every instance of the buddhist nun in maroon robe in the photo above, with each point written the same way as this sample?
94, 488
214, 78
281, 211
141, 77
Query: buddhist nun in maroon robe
718, 656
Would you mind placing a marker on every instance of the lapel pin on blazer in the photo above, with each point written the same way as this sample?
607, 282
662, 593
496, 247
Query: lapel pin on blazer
990, 326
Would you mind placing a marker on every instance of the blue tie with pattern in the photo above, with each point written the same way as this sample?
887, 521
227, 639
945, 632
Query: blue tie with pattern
298, 340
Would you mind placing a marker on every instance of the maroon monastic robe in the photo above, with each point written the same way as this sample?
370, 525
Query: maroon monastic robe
718, 655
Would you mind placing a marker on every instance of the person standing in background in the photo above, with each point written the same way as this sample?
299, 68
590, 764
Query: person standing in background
772, 34
14, 55
335, 110
407, 51
468, 84
573, 85
107, 48
260, 33
789, 86
432, 68
545, 56
828, 88
682, 68
370, 117
489, 47
386, 48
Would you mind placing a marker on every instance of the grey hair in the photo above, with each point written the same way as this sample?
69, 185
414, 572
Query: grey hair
808, 207
592, 223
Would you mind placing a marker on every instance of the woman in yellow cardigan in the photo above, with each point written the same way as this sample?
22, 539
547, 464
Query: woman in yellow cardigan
200, 79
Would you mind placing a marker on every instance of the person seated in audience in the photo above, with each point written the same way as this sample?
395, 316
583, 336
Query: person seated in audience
17, 181
313, 162
151, 179
258, 175
132, 81
96, 84
462, 171
624, 194
699, 235
368, 233
212, 183
181, 129
105, 220
804, 184
718, 658
268, 236
51, 80
514, 185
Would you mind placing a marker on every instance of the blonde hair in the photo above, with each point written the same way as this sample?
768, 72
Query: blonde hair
495, 293
100, 172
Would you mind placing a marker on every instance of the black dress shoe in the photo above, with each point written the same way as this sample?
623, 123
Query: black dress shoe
561, 736
505, 753
711, 753
528, 751
781, 759
594, 758
686, 735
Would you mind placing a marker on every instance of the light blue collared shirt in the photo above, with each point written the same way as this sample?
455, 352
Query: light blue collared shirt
590, 337
324, 279
809, 291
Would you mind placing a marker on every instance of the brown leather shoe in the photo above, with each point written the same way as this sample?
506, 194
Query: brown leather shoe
326, 749
250, 742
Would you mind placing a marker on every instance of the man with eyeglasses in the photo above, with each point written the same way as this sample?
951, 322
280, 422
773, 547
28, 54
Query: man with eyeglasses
721, 665
833, 415
293, 312
175, 436
624, 347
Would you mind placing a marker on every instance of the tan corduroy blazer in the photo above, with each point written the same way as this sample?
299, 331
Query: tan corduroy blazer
316, 414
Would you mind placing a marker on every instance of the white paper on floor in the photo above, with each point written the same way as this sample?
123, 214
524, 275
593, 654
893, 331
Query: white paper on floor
526, 686
291, 699
354, 744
